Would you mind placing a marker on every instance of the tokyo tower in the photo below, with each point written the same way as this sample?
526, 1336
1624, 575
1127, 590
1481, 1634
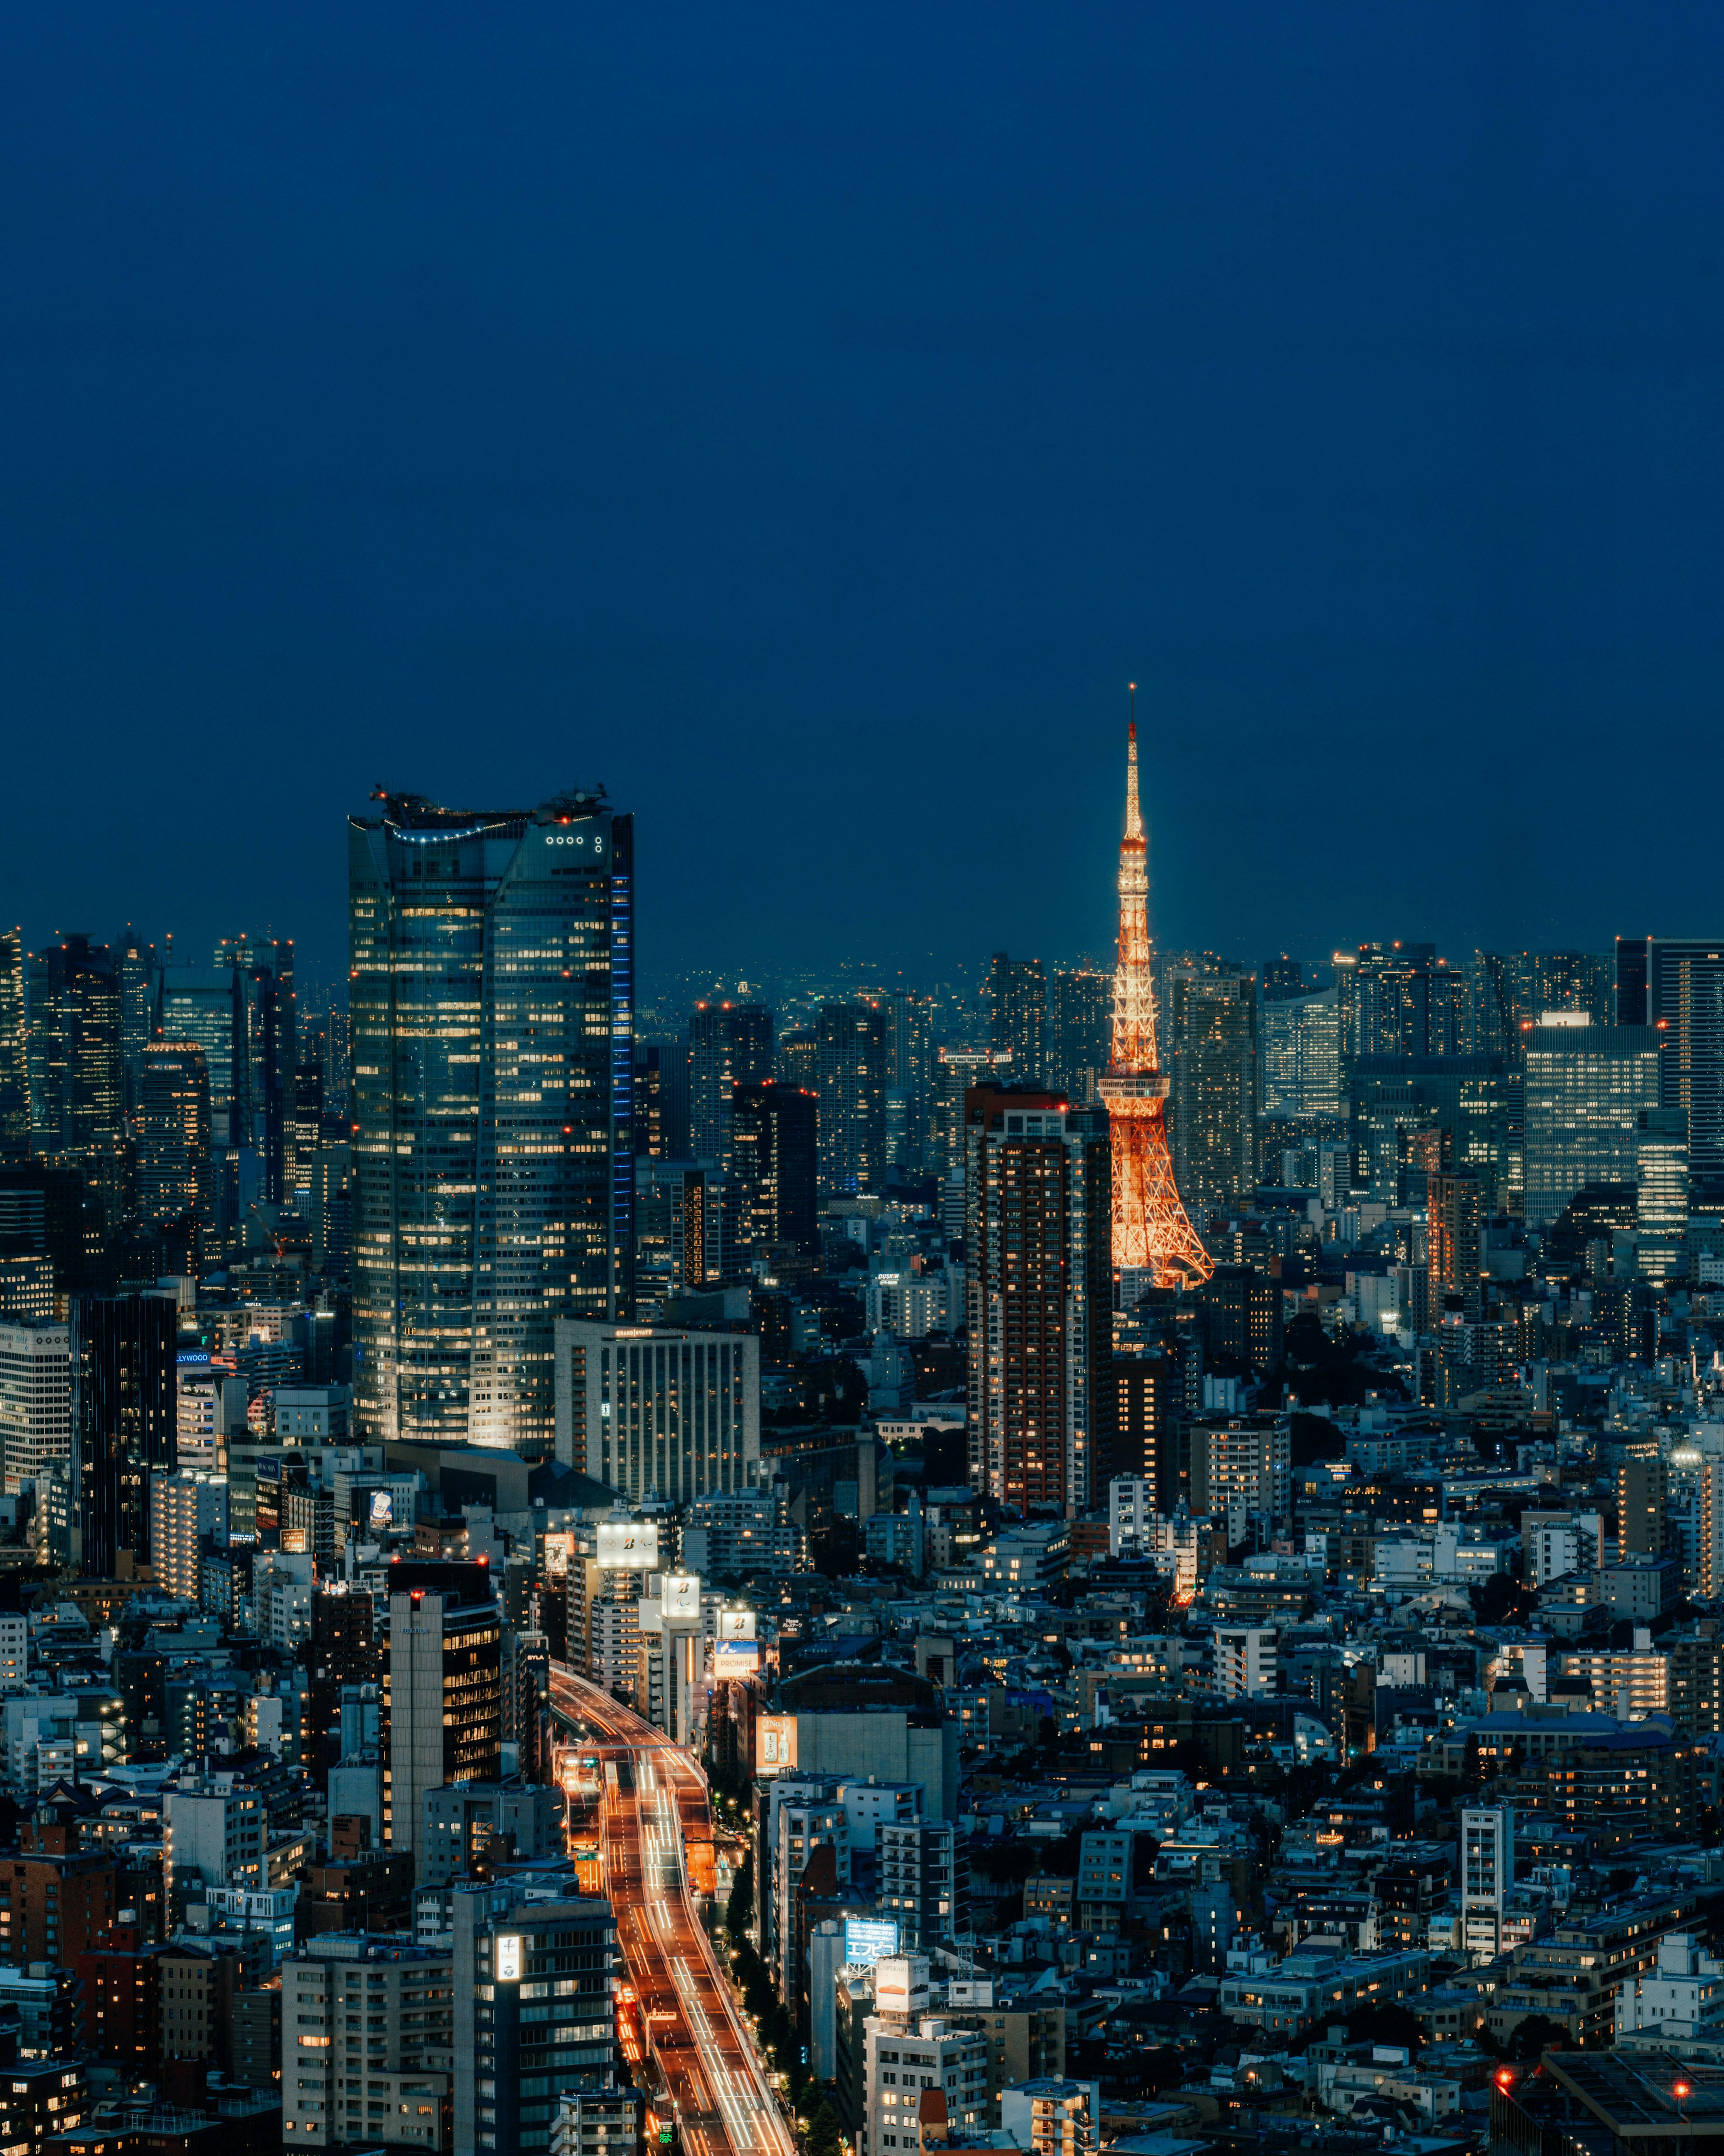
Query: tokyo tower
1151, 1232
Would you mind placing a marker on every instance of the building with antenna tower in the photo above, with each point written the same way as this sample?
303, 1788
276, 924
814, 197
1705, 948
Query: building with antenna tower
1154, 1243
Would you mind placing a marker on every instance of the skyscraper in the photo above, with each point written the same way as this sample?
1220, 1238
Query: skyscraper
492, 1003
14, 1059
774, 1131
956, 1071
139, 975
1213, 1108
195, 1003
123, 1423
1300, 1053
1586, 1086
172, 1133
1662, 1207
1018, 1015
1038, 1239
910, 1066
76, 1093
853, 1098
1675, 985
730, 1045
1408, 1002
1080, 1019
662, 1409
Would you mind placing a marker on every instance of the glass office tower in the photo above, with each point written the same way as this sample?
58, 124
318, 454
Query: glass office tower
492, 1007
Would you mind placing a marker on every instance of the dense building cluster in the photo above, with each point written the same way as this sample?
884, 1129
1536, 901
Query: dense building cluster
1272, 1699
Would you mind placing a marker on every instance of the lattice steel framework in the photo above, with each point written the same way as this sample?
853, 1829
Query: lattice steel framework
1151, 1232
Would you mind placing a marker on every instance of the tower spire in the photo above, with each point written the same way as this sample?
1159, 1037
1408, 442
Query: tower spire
1153, 1235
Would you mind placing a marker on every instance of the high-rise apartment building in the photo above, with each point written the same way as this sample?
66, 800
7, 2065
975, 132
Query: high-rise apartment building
1300, 1045
492, 1001
1248, 1464
35, 1400
730, 1045
1079, 1030
851, 1090
171, 1132
1212, 1106
184, 1507
957, 1072
1018, 1015
1586, 1087
658, 1408
443, 1688
384, 2010
14, 1052
1456, 1210
1038, 1230
122, 1349
774, 1141
909, 1071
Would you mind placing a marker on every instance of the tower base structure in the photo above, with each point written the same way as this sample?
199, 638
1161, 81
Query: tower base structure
1152, 1233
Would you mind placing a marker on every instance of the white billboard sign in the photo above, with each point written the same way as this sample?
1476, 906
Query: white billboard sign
628, 1546
682, 1594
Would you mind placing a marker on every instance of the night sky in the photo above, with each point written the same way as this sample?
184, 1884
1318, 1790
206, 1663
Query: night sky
806, 419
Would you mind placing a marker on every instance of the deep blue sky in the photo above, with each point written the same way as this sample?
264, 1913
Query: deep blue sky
807, 419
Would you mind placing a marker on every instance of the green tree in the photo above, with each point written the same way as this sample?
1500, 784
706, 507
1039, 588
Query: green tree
1530, 2038
825, 2134
739, 1909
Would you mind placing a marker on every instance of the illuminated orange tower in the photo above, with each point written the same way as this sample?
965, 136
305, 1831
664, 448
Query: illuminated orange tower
1151, 1232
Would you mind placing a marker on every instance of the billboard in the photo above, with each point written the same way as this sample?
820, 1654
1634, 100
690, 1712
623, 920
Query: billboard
775, 1744
682, 1594
381, 1515
628, 1546
736, 1625
559, 1547
866, 1939
509, 1959
901, 1984
736, 1658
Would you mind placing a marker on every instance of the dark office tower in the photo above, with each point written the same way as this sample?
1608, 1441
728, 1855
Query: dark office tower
123, 1410
1079, 1028
172, 1134
492, 994
1408, 1002
77, 1105
443, 1697
730, 1045
1018, 1015
14, 1057
265, 1045
649, 1101
1643, 1493
526, 1702
1457, 1207
200, 1004
42, 1213
852, 1089
1039, 1238
337, 1063
910, 1057
139, 978
1282, 977
1571, 981
1213, 1105
1631, 952
1242, 1318
1684, 1006
773, 1133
